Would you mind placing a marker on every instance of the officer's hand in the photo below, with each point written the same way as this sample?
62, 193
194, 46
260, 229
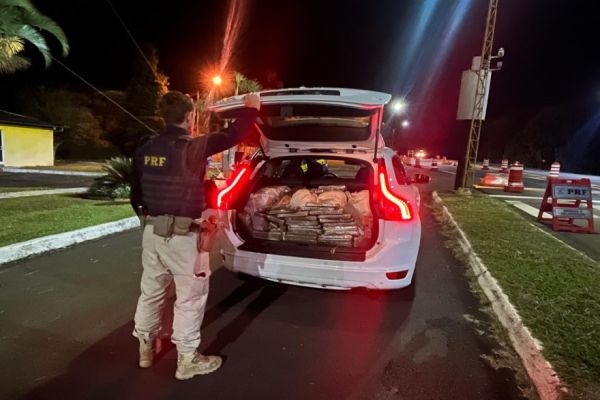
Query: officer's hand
252, 100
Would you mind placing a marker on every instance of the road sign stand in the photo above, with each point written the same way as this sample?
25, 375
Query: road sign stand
572, 194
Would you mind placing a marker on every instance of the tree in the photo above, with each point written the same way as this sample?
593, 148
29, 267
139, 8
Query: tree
82, 136
245, 85
147, 84
22, 23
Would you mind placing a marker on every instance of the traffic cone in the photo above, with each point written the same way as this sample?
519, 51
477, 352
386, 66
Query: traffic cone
504, 165
554, 170
515, 178
417, 162
486, 163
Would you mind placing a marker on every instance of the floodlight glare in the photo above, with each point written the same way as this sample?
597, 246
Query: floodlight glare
399, 106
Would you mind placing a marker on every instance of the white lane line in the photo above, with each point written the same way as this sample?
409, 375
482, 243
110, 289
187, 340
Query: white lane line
525, 207
503, 196
506, 196
534, 211
448, 172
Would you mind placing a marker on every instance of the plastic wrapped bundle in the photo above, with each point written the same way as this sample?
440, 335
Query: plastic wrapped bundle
301, 197
265, 198
328, 188
334, 197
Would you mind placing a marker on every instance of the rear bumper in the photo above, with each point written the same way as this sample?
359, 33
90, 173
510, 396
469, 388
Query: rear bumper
389, 256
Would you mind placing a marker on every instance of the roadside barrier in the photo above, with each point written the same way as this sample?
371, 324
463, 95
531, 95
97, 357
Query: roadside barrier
486, 163
494, 180
575, 196
504, 165
554, 170
434, 164
515, 178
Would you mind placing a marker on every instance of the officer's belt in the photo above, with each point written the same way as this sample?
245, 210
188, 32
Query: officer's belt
169, 225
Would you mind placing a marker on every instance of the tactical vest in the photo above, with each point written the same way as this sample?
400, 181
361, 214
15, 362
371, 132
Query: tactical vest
169, 185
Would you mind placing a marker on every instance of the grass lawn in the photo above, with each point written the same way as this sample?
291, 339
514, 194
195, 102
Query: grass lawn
8, 189
31, 217
555, 289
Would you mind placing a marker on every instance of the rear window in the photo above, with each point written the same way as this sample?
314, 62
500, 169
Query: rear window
314, 122
314, 171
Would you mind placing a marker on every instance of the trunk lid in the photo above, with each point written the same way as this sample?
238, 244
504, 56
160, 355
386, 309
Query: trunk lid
314, 119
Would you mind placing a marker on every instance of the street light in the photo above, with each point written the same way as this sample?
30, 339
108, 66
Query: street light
217, 80
405, 124
399, 106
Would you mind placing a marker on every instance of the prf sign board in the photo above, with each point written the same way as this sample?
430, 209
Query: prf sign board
572, 192
569, 204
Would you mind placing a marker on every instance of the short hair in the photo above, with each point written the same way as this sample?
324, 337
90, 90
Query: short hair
174, 106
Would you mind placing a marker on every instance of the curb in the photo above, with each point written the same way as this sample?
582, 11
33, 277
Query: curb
545, 379
49, 172
41, 245
43, 192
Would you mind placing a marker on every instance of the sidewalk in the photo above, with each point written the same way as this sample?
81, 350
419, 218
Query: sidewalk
44, 244
15, 170
42, 192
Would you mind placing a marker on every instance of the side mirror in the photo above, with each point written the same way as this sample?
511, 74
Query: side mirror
421, 178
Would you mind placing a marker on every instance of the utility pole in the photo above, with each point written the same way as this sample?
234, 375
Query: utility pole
483, 75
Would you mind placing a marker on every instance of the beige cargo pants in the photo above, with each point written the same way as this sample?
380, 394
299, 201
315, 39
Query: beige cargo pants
165, 260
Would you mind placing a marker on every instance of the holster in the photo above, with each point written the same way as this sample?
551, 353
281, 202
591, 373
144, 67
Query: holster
208, 234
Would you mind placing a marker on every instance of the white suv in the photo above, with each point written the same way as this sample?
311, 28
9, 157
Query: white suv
338, 129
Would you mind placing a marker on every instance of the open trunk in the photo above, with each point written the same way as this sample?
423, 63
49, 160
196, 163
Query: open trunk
308, 206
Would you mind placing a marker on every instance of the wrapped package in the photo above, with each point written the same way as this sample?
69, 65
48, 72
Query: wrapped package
301, 197
301, 238
336, 240
327, 211
328, 188
301, 229
284, 201
293, 214
327, 219
259, 223
333, 197
265, 198
359, 203
271, 235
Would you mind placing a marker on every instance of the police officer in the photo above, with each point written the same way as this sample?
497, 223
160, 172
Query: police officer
167, 191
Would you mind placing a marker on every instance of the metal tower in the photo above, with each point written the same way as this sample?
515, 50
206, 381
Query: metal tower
480, 93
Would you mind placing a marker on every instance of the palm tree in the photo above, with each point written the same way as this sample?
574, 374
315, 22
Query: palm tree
21, 22
243, 84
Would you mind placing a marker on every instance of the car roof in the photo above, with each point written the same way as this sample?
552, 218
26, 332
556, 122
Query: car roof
357, 98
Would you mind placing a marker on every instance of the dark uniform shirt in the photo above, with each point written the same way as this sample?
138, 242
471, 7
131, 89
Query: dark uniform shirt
168, 169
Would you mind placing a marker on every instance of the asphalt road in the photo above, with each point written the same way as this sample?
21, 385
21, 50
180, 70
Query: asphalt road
65, 333
528, 202
9, 179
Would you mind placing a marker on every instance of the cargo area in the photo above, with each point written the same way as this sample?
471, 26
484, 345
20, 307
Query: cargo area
309, 207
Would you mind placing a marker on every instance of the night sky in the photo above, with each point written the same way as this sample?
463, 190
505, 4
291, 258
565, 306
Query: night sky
415, 48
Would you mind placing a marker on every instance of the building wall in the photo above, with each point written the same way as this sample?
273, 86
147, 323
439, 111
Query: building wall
27, 146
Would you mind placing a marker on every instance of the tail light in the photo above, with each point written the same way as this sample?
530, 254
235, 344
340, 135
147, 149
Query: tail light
231, 191
392, 206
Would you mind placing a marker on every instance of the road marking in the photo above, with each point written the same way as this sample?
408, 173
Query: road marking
507, 196
448, 172
525, 207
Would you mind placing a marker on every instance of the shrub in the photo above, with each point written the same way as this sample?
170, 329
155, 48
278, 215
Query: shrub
116, 184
